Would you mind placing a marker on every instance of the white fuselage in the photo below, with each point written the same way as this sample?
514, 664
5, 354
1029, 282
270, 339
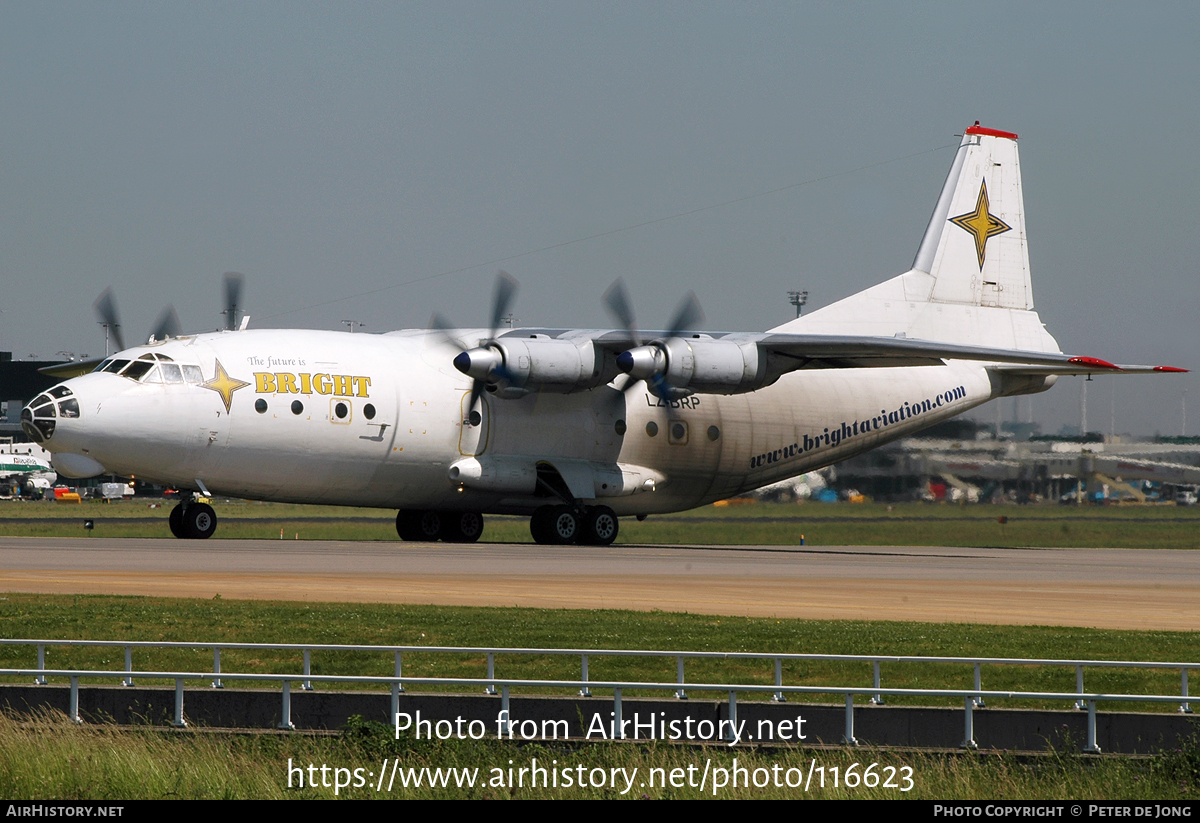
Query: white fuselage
398, 453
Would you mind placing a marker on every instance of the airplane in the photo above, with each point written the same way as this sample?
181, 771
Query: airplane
26, 466
576, 428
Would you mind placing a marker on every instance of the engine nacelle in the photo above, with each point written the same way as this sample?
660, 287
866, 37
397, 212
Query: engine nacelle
700, 364
515, 364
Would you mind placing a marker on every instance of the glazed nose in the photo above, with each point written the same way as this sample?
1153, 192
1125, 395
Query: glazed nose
41, 416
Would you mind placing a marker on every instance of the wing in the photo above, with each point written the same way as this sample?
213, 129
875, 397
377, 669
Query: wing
676, 362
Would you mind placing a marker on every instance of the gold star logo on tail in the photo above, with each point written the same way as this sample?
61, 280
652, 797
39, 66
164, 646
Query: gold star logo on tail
223, 384
981, 224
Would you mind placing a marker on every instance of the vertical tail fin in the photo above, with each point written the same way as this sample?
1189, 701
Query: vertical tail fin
970, 280
975, 247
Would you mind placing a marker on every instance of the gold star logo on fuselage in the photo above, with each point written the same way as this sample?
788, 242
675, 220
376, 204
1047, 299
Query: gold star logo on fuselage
223, 384
981, 224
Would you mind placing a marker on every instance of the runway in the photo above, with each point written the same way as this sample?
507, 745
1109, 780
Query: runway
1105, 588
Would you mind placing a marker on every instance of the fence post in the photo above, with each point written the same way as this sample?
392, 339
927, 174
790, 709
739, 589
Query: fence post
1092, 748
618, 730
507, 725
979, 687
849, 738
1185, 707
307, 684
217, 684
399, 684
585, 691
878, 698
286, 721
779, 698
128, 681
491, 689
1079, 704
73, 708
679, 693
179, 722
732, 717
969, 724
40, 680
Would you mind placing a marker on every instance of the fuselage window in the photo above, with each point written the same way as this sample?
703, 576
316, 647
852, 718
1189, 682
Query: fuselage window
369, 411
115, 366
297, 407
171, 373
137, 369
260, 406
341, 411
192, 374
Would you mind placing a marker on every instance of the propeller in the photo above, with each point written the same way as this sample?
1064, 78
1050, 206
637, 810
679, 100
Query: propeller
650, 362
107, 316
167, 324
233, 298
484, 362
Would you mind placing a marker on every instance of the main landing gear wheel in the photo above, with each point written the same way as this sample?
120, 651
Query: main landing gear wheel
199, 521
554, 525
453, 527
462, 527
426, 526
175, 521
599, 527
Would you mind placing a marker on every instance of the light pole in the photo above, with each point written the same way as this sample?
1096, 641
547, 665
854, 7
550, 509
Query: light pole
798, 299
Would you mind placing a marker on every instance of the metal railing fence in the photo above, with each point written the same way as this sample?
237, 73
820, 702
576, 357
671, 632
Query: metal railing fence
973, 698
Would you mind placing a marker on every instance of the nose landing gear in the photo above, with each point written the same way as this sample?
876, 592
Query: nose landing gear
589, 525
192, 521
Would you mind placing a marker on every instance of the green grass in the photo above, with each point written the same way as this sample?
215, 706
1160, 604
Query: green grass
51, 758
910, 524
214, 621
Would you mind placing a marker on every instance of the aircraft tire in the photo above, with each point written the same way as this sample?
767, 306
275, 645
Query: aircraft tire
420, 525
562, 525
406, 525
462, 527
199, 521
540, 525
175, 521
599, 527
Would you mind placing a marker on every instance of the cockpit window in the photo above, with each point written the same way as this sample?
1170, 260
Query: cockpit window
60, 391
115, 365
164, 358
171, 373
146, 356
192, 374
103, 363
69, 408
137, 369
152, 377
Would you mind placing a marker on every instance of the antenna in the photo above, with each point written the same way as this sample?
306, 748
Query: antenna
353, 323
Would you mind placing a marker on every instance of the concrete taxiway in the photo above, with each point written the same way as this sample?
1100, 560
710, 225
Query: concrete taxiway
1107, 588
